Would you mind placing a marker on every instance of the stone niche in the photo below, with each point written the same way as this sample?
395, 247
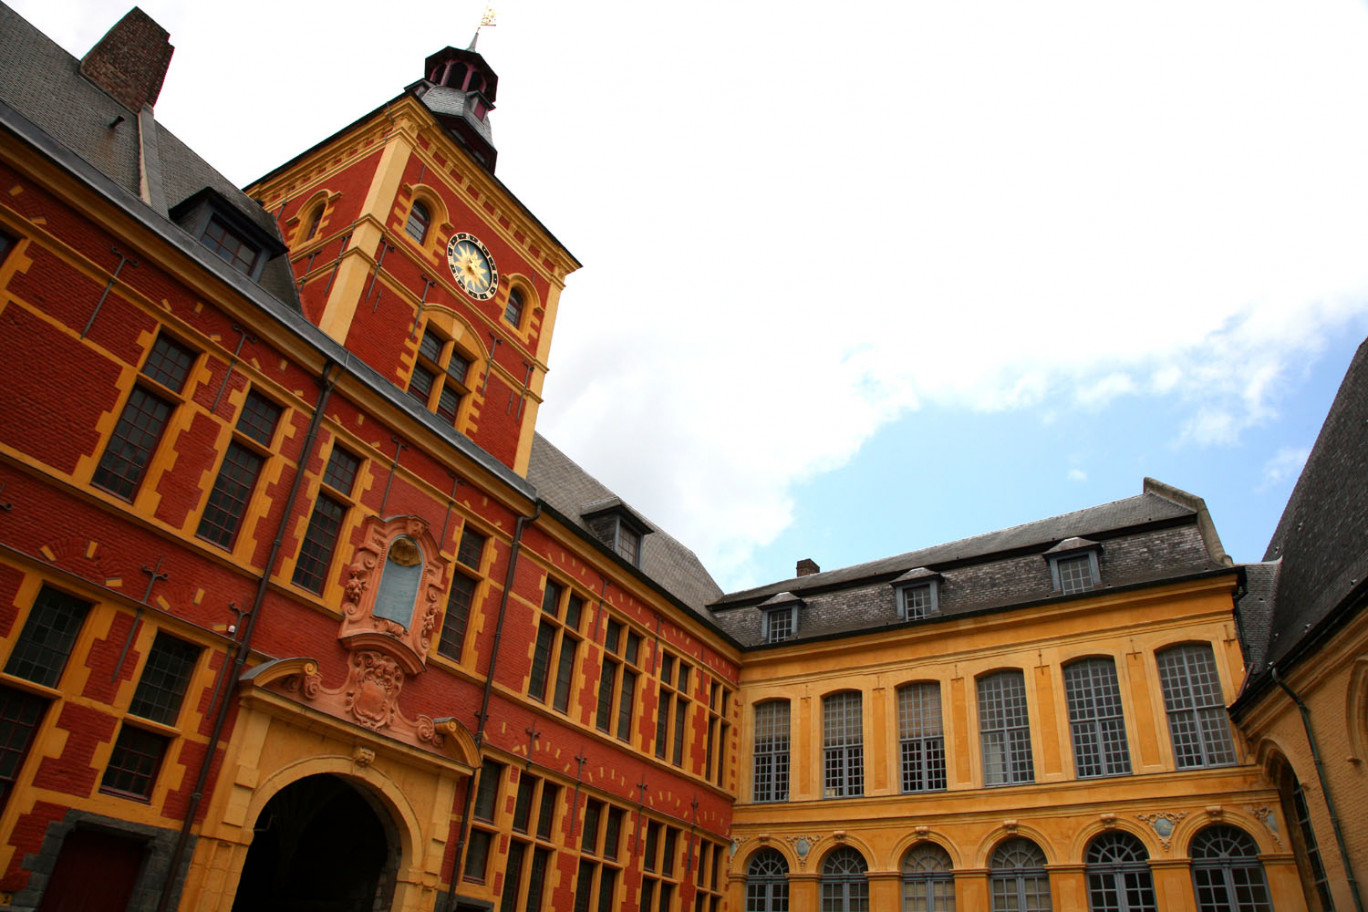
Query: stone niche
393, 592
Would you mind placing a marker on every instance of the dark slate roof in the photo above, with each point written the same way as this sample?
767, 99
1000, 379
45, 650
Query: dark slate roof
568, 489
1093, 522
1322, 538
1255, 608
1141, 540
43, 83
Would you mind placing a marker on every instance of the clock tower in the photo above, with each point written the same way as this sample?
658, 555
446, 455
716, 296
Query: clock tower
411, 253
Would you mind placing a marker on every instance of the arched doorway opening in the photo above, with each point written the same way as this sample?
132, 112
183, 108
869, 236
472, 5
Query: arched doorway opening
321, 844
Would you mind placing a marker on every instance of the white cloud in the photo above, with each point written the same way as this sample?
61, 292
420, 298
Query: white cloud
1077, 475
790, 242
1285, 465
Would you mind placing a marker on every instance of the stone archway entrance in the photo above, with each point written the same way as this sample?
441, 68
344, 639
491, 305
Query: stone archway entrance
320, 845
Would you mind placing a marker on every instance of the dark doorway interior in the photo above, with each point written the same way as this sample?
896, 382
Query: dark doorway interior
95, 872
319, 847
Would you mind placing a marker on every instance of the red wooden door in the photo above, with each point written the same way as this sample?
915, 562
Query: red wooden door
95, 872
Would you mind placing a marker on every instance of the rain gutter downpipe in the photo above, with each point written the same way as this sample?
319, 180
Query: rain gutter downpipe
1325, 786
519, 527
244, 648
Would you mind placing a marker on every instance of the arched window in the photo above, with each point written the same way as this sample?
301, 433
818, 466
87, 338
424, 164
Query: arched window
1018, 880
928, 885
1227, 873
1118, 874
767, 882
845, 888
513, 310
418, 221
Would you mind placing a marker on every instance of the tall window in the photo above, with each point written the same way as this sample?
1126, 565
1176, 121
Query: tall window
143, 419
1095, 720
418, 221
530, 848
672, 721
320, 539
660, 866
138, 752
719, 732
1309, 850
470, 554
618, 680
843, 745
20, 715
712, 862
1198, 722
48, 636
557, 644
845, 884
513, 310
921, 737
482, 813
928, 884
600, 868
1005, 729
439, 375
314, 221
1017, 878
237, 476
771, 755
1118, 874
1227, 873
767, 882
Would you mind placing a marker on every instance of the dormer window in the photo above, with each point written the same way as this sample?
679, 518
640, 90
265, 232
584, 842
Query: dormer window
1074, 566
918, 594
228, 232
618, 528
779, 618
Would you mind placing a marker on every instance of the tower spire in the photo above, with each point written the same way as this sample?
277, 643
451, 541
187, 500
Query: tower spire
487, 18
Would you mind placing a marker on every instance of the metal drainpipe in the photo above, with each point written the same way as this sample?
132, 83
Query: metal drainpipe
519, 527
1325, 786
244, 648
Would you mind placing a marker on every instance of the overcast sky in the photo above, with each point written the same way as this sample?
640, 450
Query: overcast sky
867, 277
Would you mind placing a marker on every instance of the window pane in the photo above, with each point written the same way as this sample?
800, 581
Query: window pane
319, 541
161, 689
457, 617
1099, 731
259, 418
48, 636
132, 443
843, 745
20, 715
771, 756
168, 363
133, 765
921, 738
1005, 729
228, 499
340, 474
1198, 722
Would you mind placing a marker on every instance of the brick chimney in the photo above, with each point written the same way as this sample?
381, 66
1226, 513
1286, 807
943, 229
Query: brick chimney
130, 61
807, 566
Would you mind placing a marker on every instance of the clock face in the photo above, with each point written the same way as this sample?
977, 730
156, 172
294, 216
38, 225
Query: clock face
472, 266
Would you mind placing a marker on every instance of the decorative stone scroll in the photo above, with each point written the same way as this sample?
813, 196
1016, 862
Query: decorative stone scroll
1163, 823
